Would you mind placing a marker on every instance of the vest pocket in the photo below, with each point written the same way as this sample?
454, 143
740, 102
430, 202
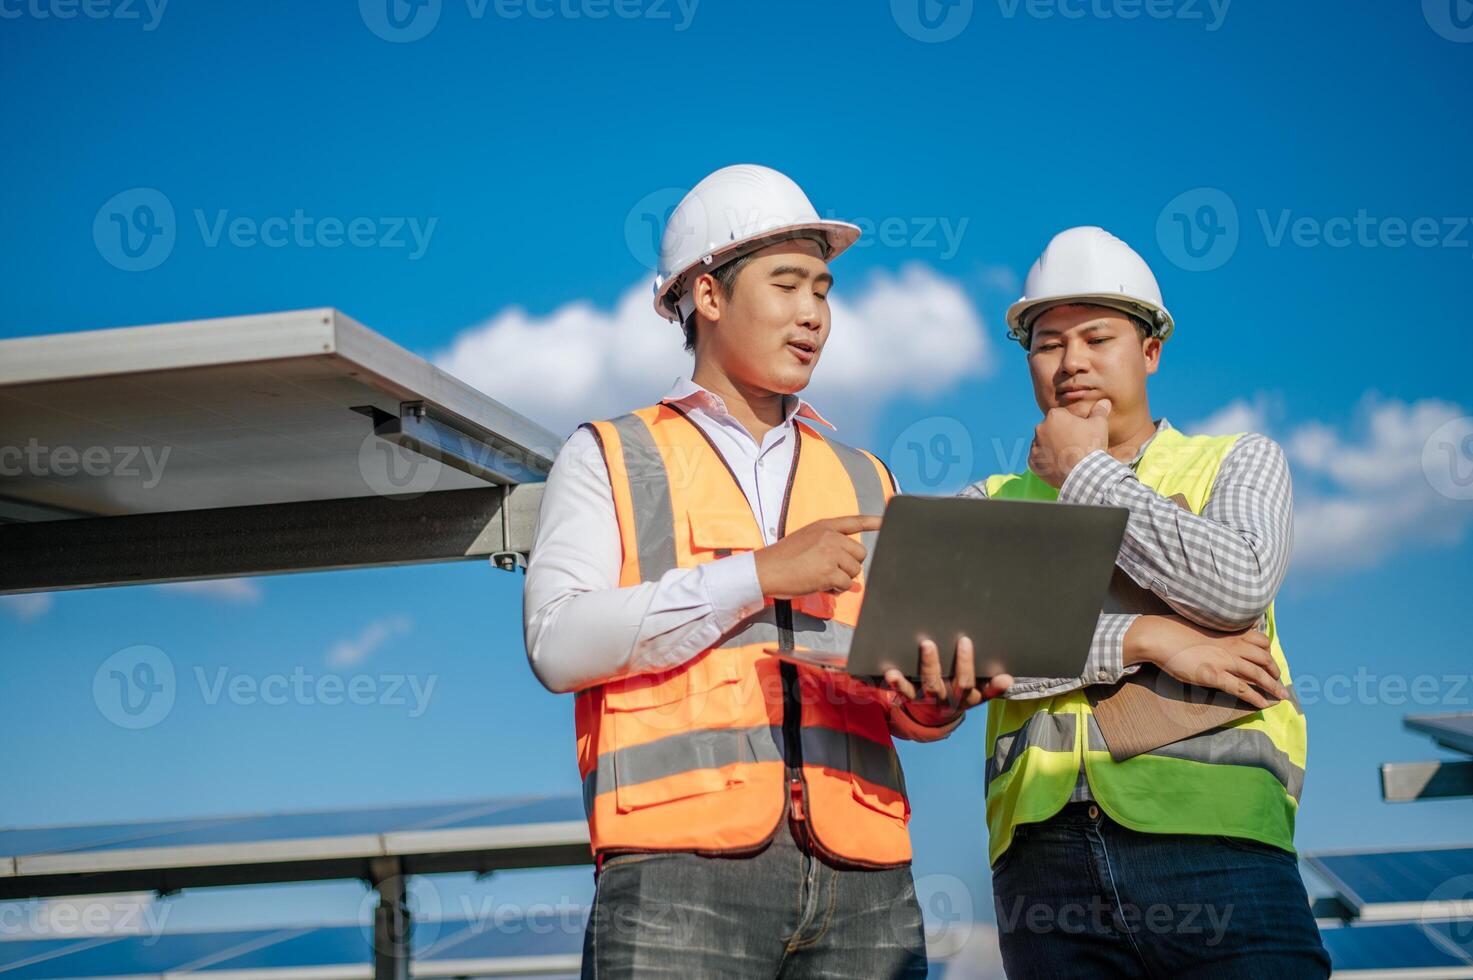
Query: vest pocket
680, 768
662, 750
723, 531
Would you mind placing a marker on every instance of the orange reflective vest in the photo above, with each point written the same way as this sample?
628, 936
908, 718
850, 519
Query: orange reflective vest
710, 756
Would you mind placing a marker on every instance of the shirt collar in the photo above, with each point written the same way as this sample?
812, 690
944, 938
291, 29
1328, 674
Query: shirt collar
687, 392
1161, 427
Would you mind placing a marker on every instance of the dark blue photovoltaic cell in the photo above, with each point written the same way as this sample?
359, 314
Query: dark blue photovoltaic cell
54, 840
286, 950
289, 826
1455, 935
1396, 946
17, 951
329, 946
555, 809
133, 955
1397, 876
555, 931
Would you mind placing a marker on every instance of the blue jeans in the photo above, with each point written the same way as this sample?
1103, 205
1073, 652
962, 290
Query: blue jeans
1078, 895
783, 912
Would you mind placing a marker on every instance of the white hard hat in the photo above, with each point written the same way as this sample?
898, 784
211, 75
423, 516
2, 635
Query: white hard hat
1089, 265
735, 210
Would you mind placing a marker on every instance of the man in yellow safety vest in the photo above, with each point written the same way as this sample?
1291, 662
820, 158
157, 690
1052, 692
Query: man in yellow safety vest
1178, 861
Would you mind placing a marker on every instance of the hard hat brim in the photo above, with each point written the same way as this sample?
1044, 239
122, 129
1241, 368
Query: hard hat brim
839, 235
1021, 314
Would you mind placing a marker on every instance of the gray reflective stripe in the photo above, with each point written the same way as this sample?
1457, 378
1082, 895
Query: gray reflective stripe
1047, 731
712, 748
706, 748
1095, 738
1294, 700
1224, 747
808, 631
649, 492
853, 753
868, 490
1238, 747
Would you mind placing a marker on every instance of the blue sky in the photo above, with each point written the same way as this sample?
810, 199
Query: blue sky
1322, 296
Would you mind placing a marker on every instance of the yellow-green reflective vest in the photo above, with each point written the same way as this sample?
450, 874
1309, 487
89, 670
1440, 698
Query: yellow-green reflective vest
1241, 780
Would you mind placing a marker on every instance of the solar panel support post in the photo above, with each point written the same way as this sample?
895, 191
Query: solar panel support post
391, 920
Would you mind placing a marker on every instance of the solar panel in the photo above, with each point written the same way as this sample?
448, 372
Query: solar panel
250, 409
507, 946
1404, 884
247, 445
130, 955
474, 835
1453, 731
1397, 950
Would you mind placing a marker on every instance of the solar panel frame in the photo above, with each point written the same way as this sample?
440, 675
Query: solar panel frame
244, 446
235, 392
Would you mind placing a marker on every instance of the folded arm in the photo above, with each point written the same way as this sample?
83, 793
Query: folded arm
1221, 568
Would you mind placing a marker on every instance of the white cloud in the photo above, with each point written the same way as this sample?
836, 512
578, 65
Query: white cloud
238, 590
1362, 494
32, 605
1369, 494
913, 332
346, 653
1235, 417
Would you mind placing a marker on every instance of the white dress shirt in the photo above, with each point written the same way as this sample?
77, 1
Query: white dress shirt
582, 629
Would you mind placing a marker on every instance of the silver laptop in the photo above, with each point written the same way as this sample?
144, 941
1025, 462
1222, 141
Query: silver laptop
1024, 579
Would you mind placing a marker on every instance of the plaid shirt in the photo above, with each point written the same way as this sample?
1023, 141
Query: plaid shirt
1219, 569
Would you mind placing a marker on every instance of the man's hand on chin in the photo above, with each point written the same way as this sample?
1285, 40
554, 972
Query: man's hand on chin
1064, 438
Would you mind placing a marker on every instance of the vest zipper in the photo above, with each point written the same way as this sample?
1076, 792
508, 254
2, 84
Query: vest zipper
792, 703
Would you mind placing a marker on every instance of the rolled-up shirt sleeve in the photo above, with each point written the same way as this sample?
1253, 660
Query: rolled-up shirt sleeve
580, 627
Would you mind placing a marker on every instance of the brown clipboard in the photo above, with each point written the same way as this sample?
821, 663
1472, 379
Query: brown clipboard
1150, 708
